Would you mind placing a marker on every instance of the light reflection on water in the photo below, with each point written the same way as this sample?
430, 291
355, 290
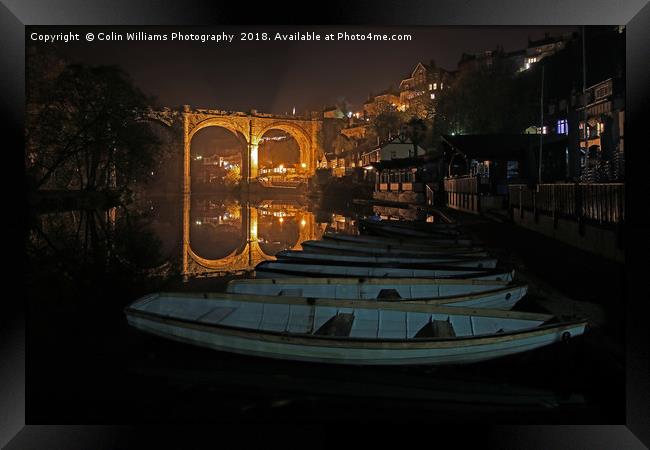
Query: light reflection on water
230, 235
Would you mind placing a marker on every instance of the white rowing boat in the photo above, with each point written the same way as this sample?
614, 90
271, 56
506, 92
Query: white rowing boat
297, 255
339, 247
464, 293
279, 269
339, 332
384, 240
407, 229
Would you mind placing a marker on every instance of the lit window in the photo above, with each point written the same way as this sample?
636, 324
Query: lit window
430, 87
435, 86
562, 127
433, 96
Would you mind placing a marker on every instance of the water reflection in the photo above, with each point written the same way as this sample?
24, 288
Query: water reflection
231, 235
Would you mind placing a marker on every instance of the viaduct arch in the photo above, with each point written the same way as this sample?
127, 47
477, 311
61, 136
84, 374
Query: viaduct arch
307, 131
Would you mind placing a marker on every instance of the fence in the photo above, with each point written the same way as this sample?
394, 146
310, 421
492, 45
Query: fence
603, 203
462, 193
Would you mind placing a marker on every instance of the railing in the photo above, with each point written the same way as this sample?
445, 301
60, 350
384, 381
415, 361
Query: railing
598, 202
462, 193
464, 185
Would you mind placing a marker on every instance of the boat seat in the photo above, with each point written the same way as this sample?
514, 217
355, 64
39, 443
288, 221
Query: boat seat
436, 328
297, 292
338, 325
388, 294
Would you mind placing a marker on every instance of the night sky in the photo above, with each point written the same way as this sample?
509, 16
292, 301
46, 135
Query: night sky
276, 76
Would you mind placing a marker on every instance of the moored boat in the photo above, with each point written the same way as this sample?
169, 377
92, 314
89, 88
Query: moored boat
397, 240
396, 228
280, 269
468, 293
331, 246
345, 332
414, 224
297, 255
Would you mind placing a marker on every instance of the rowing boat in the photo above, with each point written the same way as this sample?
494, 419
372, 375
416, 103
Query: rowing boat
280, 269
384, 240
338, 247
339, 332
297, 255
405, 229
466, 293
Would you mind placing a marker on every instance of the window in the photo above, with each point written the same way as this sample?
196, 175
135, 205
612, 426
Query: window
433, 96
562, 127
435, 86
512, 170
430, 86
544, 129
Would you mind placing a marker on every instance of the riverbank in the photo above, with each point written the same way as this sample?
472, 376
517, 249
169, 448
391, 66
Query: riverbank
564, 280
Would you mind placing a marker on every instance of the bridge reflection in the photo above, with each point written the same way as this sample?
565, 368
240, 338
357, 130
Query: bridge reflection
231, 236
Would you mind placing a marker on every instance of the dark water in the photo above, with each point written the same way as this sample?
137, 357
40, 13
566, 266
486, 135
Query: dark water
85, 365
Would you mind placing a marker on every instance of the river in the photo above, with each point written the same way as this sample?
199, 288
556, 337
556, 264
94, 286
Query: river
85, 365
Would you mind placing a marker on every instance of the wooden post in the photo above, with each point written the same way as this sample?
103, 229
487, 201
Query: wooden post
579, 209
554, 207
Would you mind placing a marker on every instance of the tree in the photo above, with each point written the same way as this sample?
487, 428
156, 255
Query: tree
388, 123
487, 101
416, 129
84, 132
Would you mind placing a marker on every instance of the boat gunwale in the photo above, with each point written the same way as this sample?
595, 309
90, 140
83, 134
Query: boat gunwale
388, 265
332, 243
357, 303
464, 241
451, 257
421, 300
453, 277
325, 246
367, 280
345, 341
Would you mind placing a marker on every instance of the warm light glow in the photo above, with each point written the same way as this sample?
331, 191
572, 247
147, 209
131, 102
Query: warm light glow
303, 222
281, 219
254, 161
303, 165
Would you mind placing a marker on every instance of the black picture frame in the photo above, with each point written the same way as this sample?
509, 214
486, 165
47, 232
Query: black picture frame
14, 16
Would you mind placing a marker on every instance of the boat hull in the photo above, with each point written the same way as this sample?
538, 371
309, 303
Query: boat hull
279, 269
285, 348
390, 250
293, 255
489, 297
396, 240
